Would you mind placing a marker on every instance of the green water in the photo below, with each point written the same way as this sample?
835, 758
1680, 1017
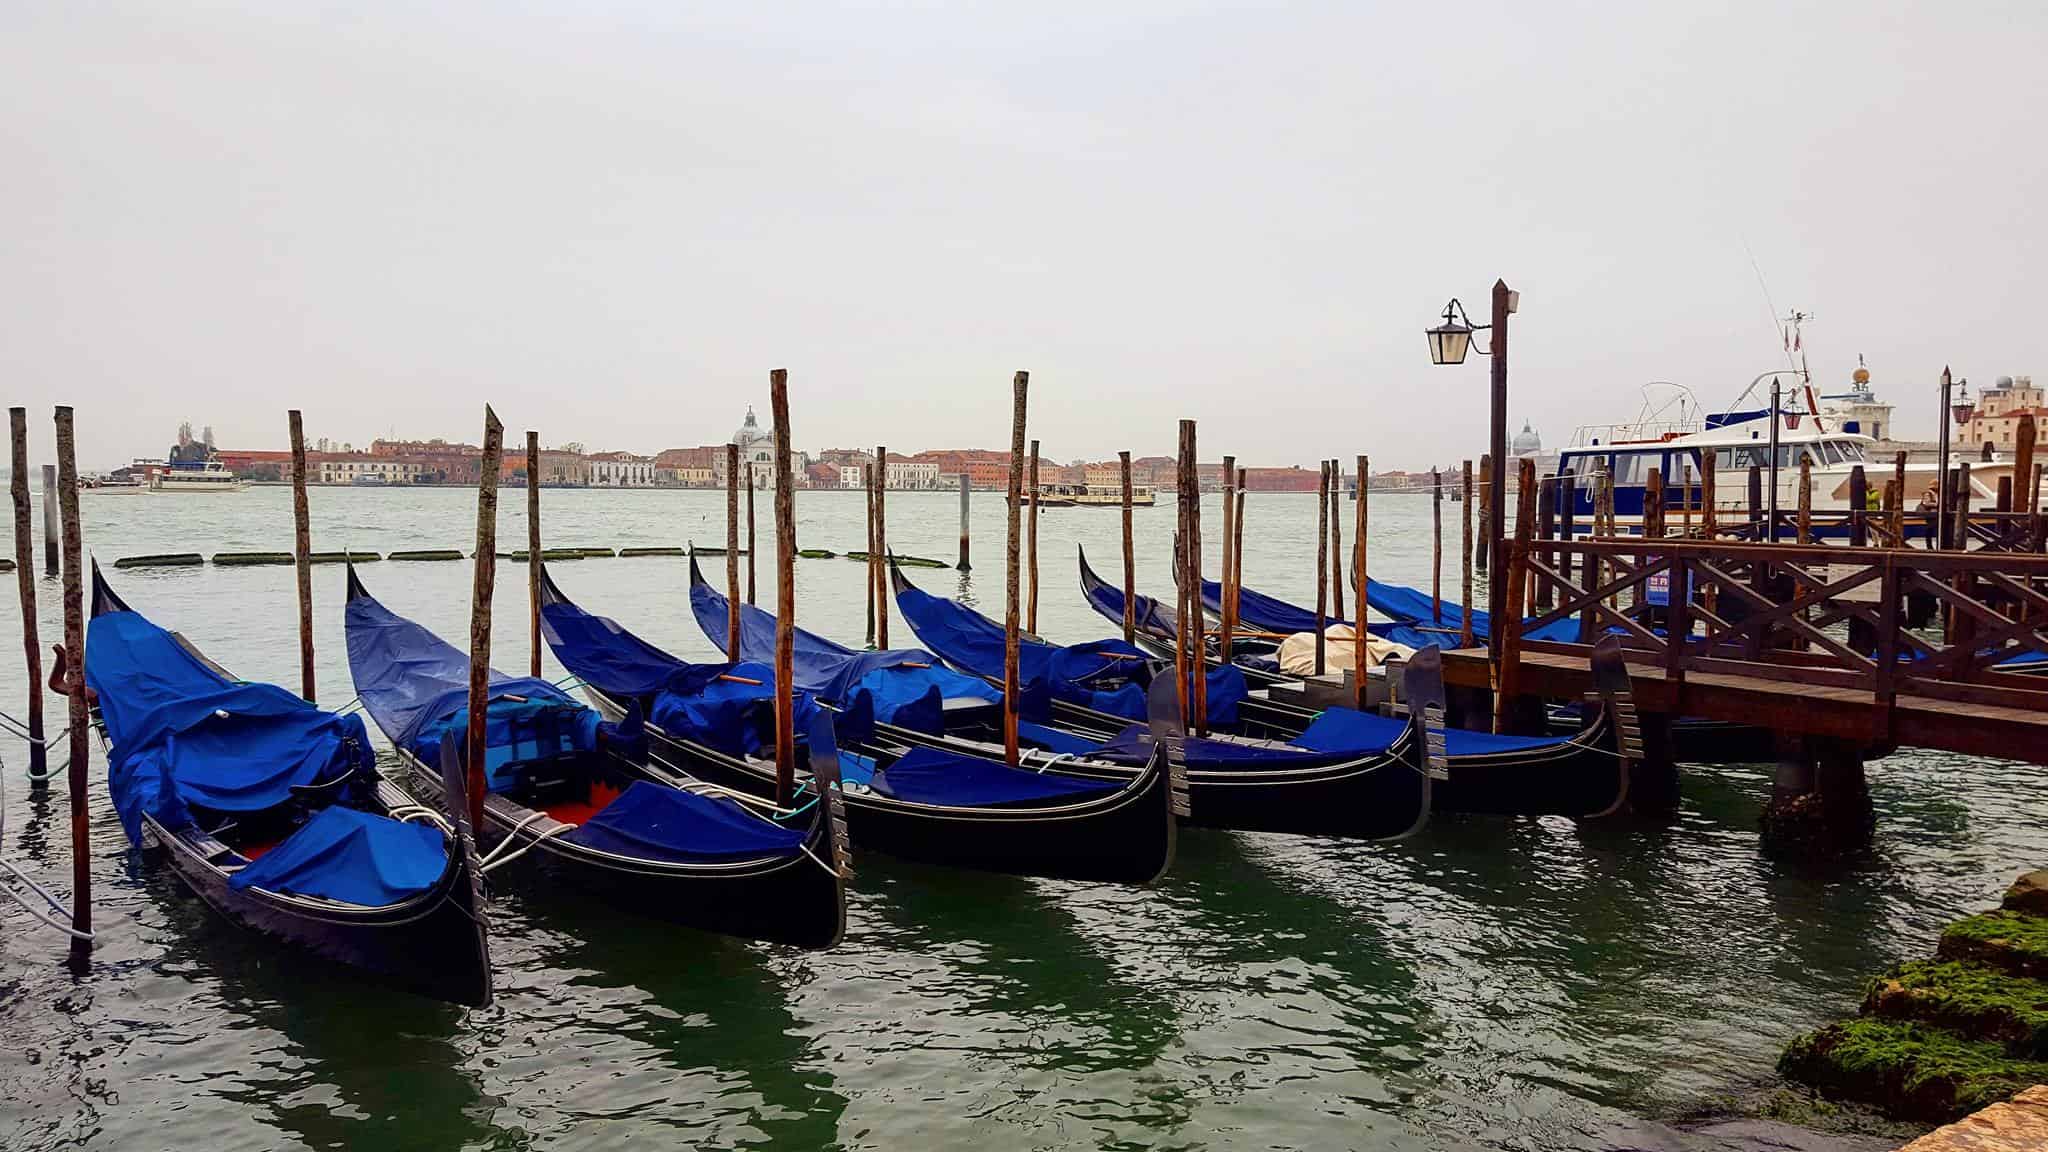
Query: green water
1491, 983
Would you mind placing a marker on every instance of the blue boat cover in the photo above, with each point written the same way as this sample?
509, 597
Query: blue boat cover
1262, 612
729, 715
1152, 617
415, 685
898, 680
1349, 730
343, 854
1085, 674
650, 822
183, 734
929, 776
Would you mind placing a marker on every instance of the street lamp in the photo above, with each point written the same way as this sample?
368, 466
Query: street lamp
1448, 344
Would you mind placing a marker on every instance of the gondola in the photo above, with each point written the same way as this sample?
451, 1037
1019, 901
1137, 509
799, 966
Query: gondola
1578, 774
955, 806
272, 812
581, 796
1352, 775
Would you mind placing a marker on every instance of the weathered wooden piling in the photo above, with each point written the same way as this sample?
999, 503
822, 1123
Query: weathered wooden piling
1361, 651
1193, 647
25, 582
51, 551
1465, 561
1653, 525
1322, 560
732, 553
2023, 437
1336, 541
785, 592
1567, 519
878, 567
1859, 507
302, 554
1123, 463
1031, 614
1803, 508
750, 531
534, 557
1546, 527
867, 484
1436, 547
1012, 686
1894, 518
1485, 509
965, 486
486, 575
74, 647
1507, 627
1237, 556
1708, 524
1229, 542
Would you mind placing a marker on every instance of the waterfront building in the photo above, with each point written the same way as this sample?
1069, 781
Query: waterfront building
1994, 420
1858, 409
620, 470
361, 468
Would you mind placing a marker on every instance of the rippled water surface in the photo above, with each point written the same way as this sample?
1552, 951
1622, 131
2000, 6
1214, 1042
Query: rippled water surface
1503, 983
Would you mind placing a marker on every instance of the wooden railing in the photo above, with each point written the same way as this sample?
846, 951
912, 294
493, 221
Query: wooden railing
1885, 621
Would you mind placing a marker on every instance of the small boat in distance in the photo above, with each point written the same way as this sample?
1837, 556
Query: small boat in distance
1092, 496
196, 476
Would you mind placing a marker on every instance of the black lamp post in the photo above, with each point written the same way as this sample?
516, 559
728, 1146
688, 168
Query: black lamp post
1448, 344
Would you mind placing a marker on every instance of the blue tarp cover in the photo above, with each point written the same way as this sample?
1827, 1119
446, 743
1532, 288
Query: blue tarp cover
1348, 730
1262, 612
648, 821
343, 854
898, 680
929, 776
183, 734
1085, 674
414, 684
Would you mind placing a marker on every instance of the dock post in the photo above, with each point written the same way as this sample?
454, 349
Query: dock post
1802, 509
785, 593
1940, 528
302, 553
51, 550
1237, 555
1013, 507
1756, 503
1567, 516
74, 647
965, 486
485, 580
1436, 547
1546, 527
1337, 541
1653, 775
2023, 473
1859, 507
1820, 800
732, 557
867, 486
1361, 650
878, 567
1123, 462
1485, 512
1322, 559
751, 550
1031, 610
1465, 561
1653, 530
533, 558
1708, 526
1198, 650
25, 581
1508, 707
1223, 601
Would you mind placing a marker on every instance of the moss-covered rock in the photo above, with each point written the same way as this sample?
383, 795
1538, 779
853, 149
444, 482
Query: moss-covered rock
1909, 1070
1971, 1000
2001, 938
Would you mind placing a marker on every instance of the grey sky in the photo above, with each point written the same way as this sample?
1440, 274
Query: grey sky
611, 220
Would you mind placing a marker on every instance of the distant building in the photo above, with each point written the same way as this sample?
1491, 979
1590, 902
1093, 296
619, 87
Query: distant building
362, 468
1526, 442
1995, 419
907, 472
620, 470
1858, 409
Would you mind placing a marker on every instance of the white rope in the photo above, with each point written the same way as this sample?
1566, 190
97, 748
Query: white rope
495, 859
25, 878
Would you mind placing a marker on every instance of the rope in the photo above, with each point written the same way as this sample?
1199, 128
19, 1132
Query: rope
496, 859
25, 878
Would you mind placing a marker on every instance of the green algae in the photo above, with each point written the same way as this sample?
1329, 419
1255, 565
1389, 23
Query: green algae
2013, 941
1907, 1069
1972, 1000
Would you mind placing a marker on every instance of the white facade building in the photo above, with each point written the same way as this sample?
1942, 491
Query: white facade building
367, 469
907, 473
621, 470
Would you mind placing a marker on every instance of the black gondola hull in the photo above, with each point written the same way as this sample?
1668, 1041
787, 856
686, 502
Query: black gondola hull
429, 945
791, 900
1126, 838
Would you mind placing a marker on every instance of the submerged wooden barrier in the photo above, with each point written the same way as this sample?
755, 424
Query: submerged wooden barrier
660, 551
427, 554
253, 559
168, 560
901, 561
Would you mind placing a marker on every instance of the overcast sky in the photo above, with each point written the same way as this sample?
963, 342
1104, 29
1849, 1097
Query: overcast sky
610, 221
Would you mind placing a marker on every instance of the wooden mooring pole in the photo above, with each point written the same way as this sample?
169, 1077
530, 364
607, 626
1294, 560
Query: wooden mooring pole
1229, 542
965, 485
1322, 560
25, 581
2023, 438
51, 550
302, 554
751, 550
1507, 628
1019, 386
867, 484
1361, 661
74, 647
1237, 556
878, 567
1465, 561
485, 580
1031, 613
1337, 540
785, 592
1436, 548
1485, 511
1123, 463
732, 555
533, 559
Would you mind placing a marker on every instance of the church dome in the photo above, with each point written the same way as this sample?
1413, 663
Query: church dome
1527, 442
750, 431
